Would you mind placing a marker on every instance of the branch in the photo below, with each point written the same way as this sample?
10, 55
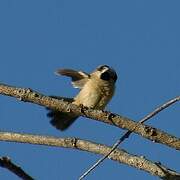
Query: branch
153, 134
127, 134
6, 162
118, 155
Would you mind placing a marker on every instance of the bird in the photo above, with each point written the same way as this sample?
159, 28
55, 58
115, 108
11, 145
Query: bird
96, 90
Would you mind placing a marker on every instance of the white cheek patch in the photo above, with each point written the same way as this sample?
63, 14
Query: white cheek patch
105, 69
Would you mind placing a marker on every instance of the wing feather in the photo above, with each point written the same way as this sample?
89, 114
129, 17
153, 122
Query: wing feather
79, 78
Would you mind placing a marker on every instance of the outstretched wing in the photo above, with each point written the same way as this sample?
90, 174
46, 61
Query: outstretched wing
79, 78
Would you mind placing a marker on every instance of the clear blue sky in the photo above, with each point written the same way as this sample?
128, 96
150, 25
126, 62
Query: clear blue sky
140, 39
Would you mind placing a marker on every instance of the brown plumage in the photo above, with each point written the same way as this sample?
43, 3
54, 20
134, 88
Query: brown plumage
96, 90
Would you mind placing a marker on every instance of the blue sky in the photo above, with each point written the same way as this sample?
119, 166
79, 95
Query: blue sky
140, 39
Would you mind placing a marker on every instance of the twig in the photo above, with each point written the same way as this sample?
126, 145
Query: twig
6, 162
127, 134
118, 155
160, 108
153, 134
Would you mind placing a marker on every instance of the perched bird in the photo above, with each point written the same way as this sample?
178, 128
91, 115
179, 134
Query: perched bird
96, 90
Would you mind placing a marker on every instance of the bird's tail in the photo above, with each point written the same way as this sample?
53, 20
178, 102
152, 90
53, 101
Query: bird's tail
61, 120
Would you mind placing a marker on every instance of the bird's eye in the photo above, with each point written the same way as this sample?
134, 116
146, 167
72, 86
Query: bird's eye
105, 76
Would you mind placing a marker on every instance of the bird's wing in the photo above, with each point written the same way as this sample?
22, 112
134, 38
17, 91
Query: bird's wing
79, 78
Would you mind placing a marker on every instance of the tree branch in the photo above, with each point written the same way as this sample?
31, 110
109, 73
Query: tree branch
127, 135
118, 155
6, 162
153, 134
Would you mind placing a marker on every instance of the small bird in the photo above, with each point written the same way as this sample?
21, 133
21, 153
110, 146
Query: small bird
96, 90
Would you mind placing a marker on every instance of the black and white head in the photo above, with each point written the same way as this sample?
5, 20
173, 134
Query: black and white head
105, 73
79, 78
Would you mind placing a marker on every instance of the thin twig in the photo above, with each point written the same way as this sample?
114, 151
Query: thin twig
127, 134
6, 162
160, 108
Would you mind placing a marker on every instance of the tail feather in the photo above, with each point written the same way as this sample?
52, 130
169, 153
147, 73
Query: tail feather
61, 120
